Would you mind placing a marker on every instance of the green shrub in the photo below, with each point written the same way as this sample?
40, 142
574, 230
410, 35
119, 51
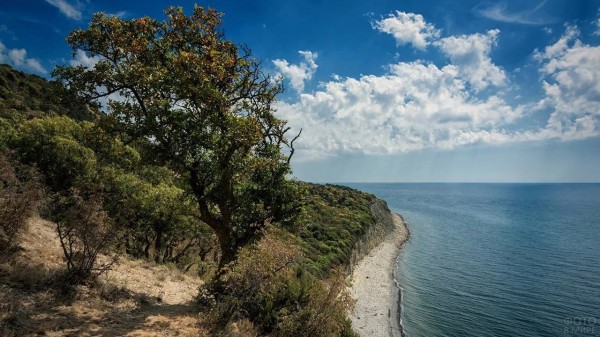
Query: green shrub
268, 286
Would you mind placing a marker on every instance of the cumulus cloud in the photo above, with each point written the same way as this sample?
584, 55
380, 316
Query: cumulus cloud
413, 106
470, 53
408, 28
298, 74
18, 59
417, 105
571, 71
66, 8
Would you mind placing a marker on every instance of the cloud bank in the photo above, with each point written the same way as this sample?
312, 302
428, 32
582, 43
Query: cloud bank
471, 54
417, 105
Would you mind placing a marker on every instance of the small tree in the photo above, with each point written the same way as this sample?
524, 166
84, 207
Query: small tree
201, 105
84, 230
72, 189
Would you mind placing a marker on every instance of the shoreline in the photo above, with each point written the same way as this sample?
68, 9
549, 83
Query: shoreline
378, 296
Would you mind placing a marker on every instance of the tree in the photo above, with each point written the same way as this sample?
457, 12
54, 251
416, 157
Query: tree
200, 105
72, 189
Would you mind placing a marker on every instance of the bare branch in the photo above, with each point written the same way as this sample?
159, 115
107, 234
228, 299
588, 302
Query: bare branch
292, 150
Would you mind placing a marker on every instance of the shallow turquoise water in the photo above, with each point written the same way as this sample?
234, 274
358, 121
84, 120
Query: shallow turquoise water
498, 259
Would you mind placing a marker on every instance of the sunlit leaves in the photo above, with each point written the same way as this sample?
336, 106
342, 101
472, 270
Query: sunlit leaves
201, 105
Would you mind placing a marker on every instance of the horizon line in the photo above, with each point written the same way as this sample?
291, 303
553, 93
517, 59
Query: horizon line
455, 182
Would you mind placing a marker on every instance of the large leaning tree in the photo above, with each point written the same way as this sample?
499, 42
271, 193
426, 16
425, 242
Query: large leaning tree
203, 107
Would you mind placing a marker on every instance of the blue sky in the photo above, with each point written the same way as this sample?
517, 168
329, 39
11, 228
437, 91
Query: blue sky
395, 90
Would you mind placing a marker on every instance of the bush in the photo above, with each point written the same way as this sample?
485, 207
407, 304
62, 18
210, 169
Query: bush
159, 219
268, 287
19, 195
84, 231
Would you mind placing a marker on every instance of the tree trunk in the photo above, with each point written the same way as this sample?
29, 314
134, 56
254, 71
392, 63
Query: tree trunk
228, 251
158, 245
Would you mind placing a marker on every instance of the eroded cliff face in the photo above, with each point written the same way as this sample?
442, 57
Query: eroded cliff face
384, 225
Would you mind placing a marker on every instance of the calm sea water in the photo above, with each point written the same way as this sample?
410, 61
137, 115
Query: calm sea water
498, 259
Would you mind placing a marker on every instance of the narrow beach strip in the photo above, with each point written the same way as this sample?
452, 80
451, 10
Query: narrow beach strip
376, 313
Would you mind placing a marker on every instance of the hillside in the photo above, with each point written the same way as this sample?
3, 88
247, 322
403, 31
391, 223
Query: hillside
139, 297
136, 298
97, 237
26, 95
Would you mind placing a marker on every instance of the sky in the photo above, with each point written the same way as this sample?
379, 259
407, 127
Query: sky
394, 91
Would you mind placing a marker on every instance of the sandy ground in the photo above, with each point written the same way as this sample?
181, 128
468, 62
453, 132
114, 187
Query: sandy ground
137, 298
374, 287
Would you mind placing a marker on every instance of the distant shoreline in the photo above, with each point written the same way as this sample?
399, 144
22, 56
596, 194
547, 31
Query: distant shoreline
377, 310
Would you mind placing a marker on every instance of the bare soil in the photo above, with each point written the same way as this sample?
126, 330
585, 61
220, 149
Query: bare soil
136, 298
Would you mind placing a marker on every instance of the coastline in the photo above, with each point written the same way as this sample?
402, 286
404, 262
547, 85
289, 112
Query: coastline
377, 294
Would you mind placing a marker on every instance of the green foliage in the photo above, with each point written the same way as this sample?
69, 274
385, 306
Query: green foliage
7, 132
56, 145
160, 217
24, 96
268, 287
333, 219
86, 169
199, 105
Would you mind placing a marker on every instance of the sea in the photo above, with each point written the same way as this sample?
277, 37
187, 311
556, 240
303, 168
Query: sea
497, 259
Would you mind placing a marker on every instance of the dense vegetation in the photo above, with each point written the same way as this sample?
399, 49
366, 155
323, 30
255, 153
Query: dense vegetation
332, 221
218, 202
25, 96
202, 107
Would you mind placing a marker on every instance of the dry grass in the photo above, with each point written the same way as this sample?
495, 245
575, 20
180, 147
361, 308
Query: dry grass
137, 298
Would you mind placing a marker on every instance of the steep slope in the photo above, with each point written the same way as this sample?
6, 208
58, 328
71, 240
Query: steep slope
136, 298
27, 95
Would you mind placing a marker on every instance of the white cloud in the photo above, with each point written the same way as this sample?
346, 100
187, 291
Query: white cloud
414, 106
119, 14
571, 83
408, 28
417, 105
470, 53
18, 59
81, 58
66, 9
560, 47
298, 74
499, 12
